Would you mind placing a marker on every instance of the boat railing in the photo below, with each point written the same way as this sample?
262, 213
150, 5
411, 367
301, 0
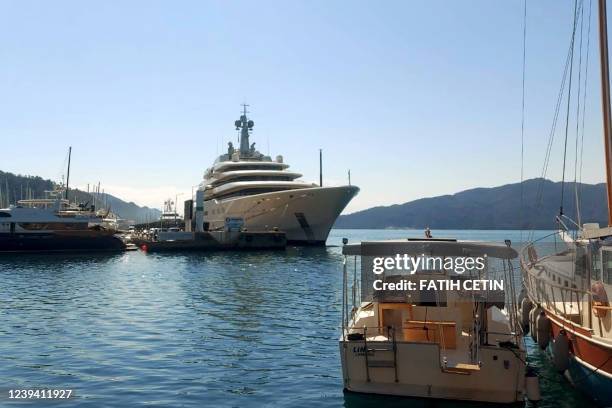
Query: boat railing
354, 292
567, 299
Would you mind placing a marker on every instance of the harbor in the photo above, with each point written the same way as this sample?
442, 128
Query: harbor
196, 328
402, 227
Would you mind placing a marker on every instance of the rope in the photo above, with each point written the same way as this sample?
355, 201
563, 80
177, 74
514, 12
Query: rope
578, 116
523, 115
569, 99
593, 371
586, 76
551, 137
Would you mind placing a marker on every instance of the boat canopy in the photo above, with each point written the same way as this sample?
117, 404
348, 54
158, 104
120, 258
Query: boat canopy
442, 247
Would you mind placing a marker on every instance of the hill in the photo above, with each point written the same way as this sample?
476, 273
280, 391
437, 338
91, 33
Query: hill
487, 208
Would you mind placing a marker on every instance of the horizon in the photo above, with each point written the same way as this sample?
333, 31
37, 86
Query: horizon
147, 96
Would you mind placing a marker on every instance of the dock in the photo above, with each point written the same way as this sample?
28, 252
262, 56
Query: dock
213, 241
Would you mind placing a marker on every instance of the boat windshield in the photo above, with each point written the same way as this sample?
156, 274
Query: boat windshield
394, 272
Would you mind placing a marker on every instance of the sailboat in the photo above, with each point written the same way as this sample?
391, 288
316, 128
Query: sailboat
568, 284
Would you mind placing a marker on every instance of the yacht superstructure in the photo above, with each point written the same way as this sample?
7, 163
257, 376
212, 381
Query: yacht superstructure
248, 185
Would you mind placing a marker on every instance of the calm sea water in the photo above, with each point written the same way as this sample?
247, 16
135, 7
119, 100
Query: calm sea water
192, 330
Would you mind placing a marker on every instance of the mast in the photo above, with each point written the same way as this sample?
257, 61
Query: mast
605, 98
244, 125
68, 173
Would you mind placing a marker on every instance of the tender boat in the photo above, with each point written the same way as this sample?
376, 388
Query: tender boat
446, 344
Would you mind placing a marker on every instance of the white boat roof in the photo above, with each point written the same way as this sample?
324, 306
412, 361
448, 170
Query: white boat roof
432, 246
263, 172
248, 163
240, 185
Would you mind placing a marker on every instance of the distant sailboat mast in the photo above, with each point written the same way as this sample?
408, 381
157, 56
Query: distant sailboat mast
605, 96
68, 172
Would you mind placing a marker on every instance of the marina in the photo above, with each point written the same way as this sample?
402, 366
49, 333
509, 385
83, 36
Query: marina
196, 330
180, 257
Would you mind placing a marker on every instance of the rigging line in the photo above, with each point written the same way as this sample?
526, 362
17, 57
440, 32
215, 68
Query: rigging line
551, 137
577, 206
523, 115
569, 99
553, 128
586, 76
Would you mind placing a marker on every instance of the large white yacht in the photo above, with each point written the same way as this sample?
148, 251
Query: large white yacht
264, 195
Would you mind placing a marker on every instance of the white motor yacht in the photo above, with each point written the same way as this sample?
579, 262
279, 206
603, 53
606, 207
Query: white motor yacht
446, 344
53, 225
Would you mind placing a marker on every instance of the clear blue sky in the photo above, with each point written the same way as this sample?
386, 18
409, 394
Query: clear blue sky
416, 98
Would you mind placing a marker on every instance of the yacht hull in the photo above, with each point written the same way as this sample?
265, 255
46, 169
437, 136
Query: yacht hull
305, 215
500, 379
590, 368
592, 382
73, 241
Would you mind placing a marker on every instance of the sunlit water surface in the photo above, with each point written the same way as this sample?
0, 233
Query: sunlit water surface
222, 329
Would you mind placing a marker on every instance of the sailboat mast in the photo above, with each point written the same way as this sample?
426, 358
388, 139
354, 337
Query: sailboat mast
68, 172
605, 96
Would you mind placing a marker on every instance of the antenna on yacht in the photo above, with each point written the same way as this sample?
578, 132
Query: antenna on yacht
68, 172
349, 176
320, 167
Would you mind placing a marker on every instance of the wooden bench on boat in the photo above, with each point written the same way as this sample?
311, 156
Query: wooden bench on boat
440, 332
418, 331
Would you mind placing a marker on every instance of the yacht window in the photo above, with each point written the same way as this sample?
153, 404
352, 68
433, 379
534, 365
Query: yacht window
36, 226
4, 214
249, 191
252, 178
607, 266
596, 266
581, 261
254, 167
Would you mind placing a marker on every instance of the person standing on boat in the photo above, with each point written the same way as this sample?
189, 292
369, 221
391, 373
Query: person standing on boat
428, 233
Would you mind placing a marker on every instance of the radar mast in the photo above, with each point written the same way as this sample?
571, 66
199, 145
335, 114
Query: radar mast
244, 125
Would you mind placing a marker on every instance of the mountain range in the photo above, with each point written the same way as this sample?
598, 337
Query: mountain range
14, 187
479, 208
489, 208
